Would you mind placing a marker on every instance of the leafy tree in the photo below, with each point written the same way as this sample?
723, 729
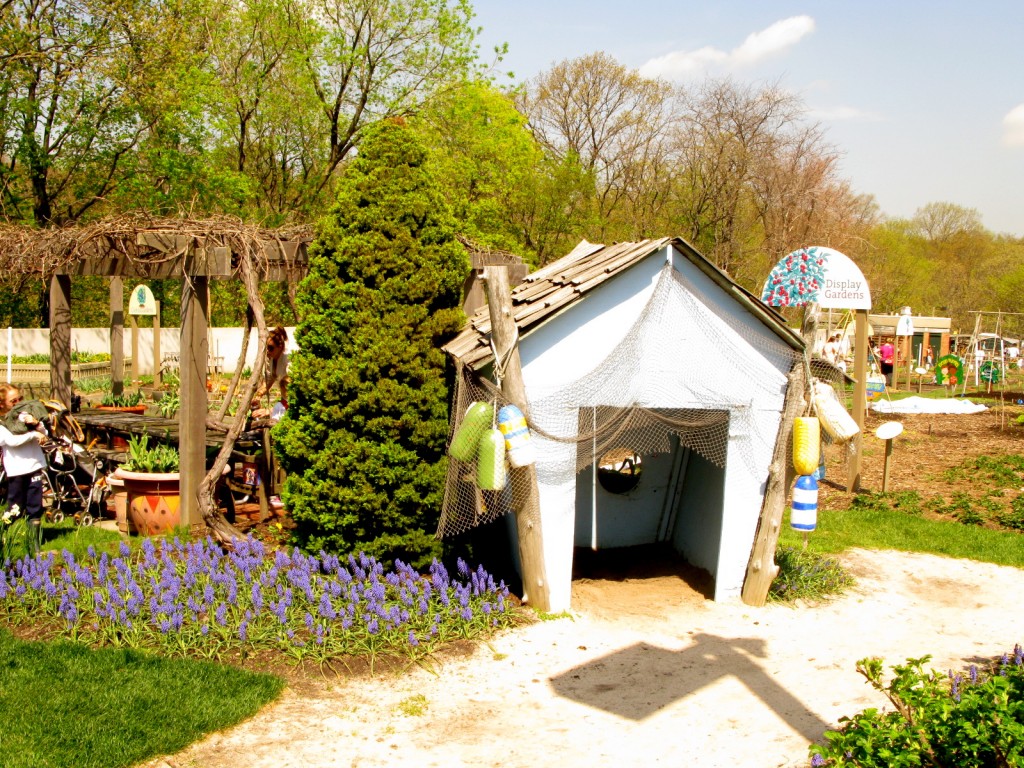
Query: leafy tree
483, 156
363, 441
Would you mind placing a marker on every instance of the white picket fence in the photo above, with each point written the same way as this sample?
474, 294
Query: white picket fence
225, 345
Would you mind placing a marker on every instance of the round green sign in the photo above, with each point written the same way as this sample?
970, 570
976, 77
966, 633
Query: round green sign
990, 372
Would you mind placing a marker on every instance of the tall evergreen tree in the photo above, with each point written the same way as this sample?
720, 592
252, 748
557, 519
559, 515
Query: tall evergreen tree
363, 441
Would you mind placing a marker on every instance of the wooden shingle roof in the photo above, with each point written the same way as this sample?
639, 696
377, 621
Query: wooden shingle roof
553, 288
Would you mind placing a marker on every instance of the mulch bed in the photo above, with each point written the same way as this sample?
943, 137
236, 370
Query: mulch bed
929, 445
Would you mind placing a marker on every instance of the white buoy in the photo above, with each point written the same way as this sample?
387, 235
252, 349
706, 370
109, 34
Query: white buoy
804, 516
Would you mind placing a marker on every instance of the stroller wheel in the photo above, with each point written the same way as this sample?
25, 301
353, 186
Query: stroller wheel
58, 517
86, 520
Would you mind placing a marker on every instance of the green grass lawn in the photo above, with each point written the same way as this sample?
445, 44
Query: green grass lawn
63, 704
875, 527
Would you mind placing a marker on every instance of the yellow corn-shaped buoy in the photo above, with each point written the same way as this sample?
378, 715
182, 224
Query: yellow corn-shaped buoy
806, 445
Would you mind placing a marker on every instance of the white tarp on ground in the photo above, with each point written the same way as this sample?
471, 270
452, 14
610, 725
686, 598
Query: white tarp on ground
926, 405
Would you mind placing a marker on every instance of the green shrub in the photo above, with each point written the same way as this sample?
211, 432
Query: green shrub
169, 404
1014, 518
807, 575
908, 502
364, 437
124, 400
143, 458
948, 720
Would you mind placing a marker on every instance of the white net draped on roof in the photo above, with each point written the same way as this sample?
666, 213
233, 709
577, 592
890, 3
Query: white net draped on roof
686, 368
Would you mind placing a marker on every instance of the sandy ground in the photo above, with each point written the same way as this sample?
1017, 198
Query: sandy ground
646, 672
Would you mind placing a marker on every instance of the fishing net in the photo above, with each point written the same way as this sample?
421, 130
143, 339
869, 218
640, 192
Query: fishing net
688, 372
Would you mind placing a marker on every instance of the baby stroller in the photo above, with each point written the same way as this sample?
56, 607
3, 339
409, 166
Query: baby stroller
74, 481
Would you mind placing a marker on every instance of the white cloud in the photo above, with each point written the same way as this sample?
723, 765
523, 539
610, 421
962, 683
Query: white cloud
773, 40
1013, 127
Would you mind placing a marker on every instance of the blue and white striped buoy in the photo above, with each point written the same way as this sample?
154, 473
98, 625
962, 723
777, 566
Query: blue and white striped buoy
804, 516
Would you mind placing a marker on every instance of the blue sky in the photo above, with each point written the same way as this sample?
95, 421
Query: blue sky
924, 100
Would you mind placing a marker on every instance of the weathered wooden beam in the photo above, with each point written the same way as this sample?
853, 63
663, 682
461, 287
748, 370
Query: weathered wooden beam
192, 415
60, 339
761, 568
117, 336
860, 397
203, 262
523, 479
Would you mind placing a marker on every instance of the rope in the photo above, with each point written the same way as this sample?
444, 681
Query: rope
501, 361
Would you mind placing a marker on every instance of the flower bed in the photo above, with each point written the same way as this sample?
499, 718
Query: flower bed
193, 599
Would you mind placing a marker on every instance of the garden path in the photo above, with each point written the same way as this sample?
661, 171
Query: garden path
646, 672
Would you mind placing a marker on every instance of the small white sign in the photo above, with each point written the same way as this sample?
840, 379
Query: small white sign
905, 326
141, 301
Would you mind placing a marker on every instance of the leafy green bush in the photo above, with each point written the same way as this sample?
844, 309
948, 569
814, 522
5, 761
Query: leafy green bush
947, 721
92, 384
807, 575
908, 502
124, 400
143, 458
1014, 518
169, 404
364, 436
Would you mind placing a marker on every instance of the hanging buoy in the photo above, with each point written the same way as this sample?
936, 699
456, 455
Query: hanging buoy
806, 445
478, 418
518, 446
804, 516
834, 418
490, 461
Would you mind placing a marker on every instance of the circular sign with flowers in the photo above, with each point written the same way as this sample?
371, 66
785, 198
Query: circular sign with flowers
990, 372
816, 275
949, 370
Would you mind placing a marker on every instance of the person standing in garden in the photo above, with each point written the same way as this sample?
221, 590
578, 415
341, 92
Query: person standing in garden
24, 464
885, 354
275, 374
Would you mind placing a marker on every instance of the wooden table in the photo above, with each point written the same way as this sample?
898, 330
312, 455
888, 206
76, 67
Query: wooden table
112, 428
104, 426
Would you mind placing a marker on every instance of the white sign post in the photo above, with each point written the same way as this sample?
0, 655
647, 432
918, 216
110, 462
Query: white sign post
905, 328
140, 302
830, 279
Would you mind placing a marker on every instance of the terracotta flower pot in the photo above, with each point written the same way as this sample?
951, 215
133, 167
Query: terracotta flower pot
119, 498
123, 408
154, 501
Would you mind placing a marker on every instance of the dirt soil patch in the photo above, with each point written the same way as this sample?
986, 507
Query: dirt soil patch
647, 671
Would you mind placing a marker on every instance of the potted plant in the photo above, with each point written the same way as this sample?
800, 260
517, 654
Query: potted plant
126, 402
152, 483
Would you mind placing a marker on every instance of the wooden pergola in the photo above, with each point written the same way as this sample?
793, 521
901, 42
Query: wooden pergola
194, 251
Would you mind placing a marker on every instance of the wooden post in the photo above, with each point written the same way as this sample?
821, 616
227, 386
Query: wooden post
116, 335
761, 568
157, 369
524, 479
135, 347
860, 396
60, 339
192, 415
910, 359
885, 469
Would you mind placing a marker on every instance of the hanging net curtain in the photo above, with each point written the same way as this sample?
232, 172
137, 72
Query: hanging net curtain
684, 369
